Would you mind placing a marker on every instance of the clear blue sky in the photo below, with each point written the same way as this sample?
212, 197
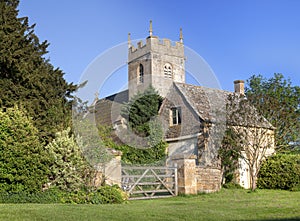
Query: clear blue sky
237, 38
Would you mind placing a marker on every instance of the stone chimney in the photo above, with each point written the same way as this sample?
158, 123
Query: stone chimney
239, 87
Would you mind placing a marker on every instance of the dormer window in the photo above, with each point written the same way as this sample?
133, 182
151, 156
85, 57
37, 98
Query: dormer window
141, 74
175, 116
168, 70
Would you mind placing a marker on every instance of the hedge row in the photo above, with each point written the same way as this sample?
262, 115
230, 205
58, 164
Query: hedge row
102, 195
281, 171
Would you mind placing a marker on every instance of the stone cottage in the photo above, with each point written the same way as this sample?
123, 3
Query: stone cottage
194, 118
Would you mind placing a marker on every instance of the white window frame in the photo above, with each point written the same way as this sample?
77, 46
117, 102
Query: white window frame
175, 116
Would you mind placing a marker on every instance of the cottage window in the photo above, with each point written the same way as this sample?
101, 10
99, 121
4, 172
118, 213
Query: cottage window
141, 74
168, 70
175, 117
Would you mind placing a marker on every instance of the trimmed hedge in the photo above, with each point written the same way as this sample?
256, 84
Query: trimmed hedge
281, 171
102, 195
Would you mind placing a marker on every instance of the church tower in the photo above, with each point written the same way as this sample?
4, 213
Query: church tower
157, 62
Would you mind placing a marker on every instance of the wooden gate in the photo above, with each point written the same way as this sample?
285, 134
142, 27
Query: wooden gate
149, 182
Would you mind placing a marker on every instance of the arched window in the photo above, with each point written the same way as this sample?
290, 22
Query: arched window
141, 74
168, 71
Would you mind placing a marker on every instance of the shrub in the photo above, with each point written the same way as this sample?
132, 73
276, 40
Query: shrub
69, 169
232, 185
281, 171
23, 161
153, 155
107, 194
49, 196
101, 195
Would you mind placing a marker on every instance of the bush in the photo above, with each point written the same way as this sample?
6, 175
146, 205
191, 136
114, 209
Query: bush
107, 194
23, 161
153, 155
232, 185
281, 171
49, 196
101, 195
69, 169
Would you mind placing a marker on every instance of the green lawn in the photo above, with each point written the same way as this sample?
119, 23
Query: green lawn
224, 205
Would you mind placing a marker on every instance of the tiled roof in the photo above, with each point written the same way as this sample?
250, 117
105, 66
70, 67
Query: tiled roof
212, 105
206, 102
106, 107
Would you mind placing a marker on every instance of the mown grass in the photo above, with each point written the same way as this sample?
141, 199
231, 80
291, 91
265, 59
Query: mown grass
224, 205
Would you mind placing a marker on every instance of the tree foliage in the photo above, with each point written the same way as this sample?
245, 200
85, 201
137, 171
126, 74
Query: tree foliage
27, 78
141, 114
141, 109
23, 161
95, 139
279, 102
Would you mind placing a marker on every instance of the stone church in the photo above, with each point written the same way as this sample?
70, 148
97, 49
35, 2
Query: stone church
189, 113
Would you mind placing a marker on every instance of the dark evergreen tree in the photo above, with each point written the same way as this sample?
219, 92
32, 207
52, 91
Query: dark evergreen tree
140, 109
140, 113
27, 78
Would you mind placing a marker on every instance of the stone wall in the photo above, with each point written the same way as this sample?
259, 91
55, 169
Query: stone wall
110, 172
186, 169
208, 179
194, 179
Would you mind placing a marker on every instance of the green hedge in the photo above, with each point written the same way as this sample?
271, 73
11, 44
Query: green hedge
102, 195
281, 171
23, 160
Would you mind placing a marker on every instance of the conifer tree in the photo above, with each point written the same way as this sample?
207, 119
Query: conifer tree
27, 78
140, 113
140, 109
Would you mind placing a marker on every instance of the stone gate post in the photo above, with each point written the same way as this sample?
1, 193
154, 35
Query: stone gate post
186, 177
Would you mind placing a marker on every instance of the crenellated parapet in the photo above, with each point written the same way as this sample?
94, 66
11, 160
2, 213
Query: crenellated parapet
156, 45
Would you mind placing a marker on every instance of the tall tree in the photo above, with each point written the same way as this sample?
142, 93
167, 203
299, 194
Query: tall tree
279, 102
27, 78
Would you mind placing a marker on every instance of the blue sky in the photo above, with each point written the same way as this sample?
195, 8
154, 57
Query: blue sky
237, 38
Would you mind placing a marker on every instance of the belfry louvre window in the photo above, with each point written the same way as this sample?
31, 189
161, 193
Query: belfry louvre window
141, 74
168, 71
175, 116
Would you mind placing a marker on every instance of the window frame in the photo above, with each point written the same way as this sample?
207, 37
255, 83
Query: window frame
140, 74
168, 71
175, 116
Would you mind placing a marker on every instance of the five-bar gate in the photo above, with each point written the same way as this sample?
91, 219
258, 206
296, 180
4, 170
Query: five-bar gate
149, 182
